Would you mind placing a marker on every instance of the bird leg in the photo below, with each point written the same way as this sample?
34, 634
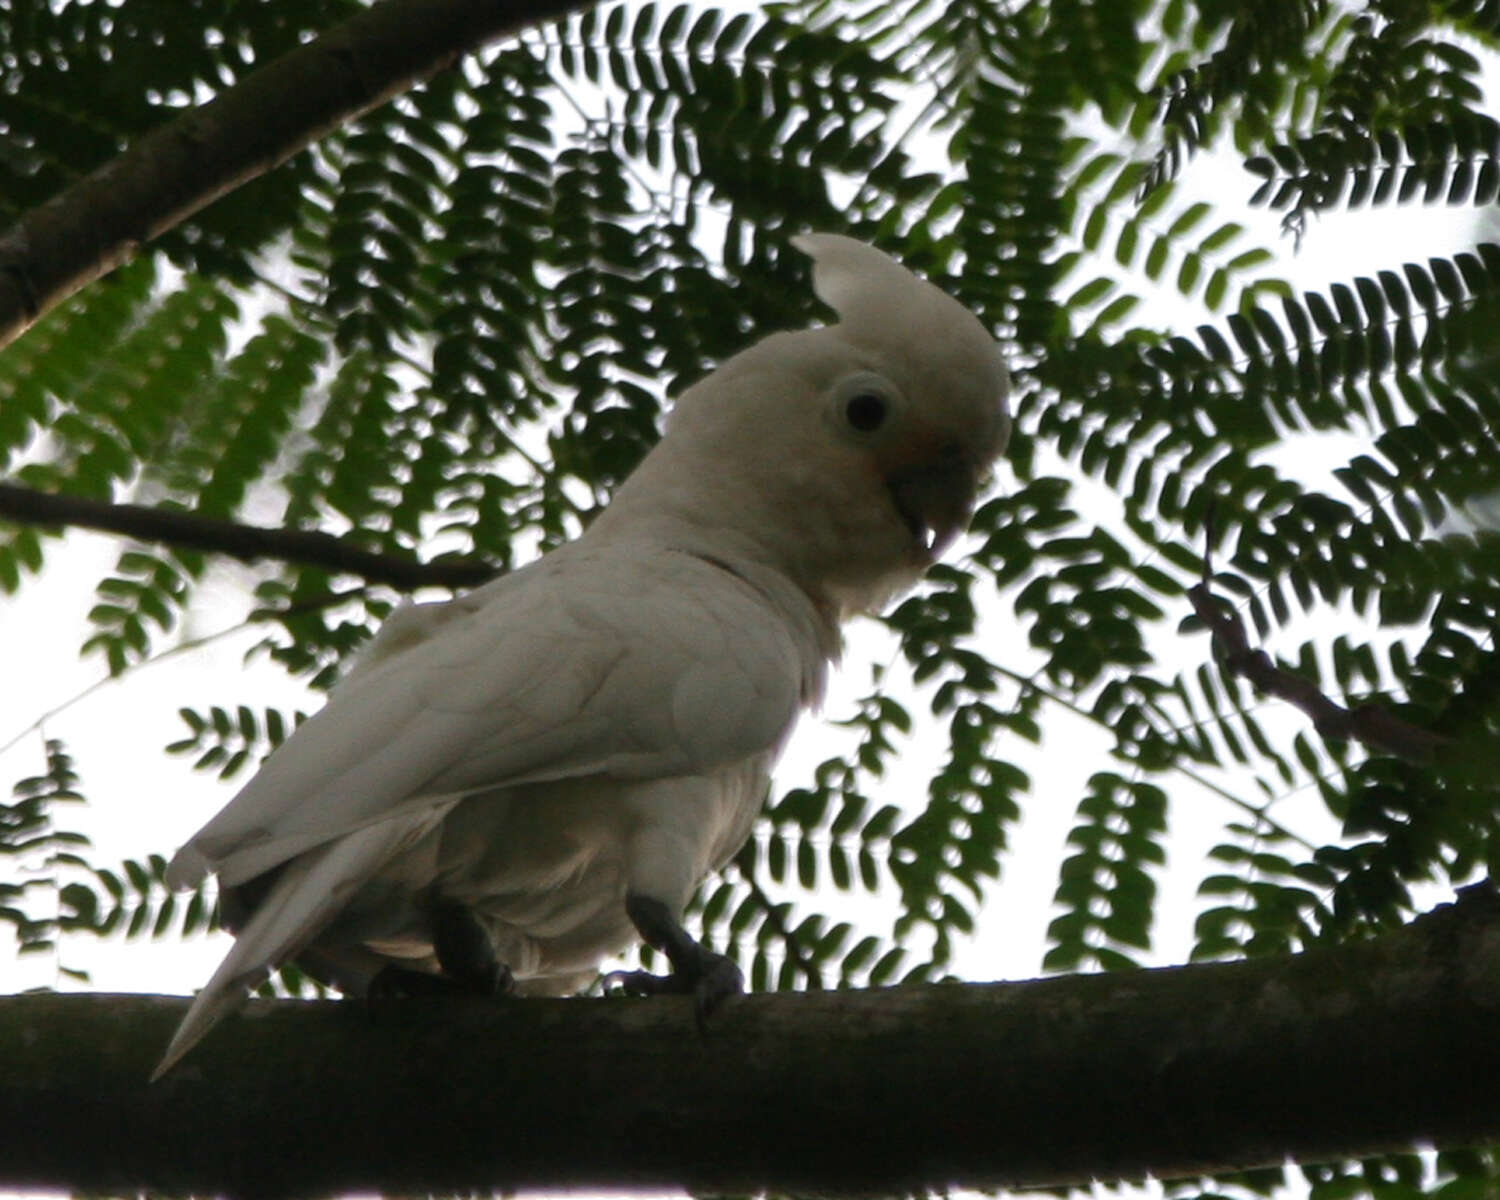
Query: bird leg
707, 976
464, 953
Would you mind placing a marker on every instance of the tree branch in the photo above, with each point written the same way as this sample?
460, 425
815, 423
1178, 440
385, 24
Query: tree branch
190, 531
1372, 726
280, 109
1369, 724
1340, 1052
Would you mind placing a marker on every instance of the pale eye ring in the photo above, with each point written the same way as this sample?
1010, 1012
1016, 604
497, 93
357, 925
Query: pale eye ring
864, 407
865, 411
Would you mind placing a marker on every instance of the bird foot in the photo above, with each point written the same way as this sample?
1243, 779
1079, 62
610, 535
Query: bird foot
700, 973
710, 982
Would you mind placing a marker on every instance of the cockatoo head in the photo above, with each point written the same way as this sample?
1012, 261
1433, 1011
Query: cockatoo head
937, 432
849, 457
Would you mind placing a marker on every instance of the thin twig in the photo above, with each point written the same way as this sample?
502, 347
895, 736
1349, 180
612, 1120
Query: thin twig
1371, 725
1254, 810
247, 543
260, 617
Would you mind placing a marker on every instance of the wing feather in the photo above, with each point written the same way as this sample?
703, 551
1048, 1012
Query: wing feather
592, 660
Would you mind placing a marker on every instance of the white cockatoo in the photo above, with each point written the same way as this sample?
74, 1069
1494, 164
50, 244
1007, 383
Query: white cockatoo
516, 783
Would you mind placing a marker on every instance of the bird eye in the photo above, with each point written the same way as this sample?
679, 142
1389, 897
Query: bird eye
865, 406
865, 412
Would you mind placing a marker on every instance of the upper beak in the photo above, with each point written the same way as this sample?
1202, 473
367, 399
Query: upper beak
936, 499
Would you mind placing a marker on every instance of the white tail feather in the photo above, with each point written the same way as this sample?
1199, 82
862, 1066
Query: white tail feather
309, 893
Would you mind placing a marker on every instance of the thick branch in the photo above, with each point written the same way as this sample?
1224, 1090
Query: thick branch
188, 531
278, 110
1335, 1053
1369, 724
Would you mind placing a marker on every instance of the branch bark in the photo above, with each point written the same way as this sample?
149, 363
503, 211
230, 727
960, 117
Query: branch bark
189, 531
102, 220
1372, 726
1348, 1051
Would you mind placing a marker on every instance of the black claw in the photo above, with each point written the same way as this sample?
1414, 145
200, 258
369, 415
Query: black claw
637, 983
719, 980
708, 977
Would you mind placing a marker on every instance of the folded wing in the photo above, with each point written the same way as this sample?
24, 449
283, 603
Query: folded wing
584, 664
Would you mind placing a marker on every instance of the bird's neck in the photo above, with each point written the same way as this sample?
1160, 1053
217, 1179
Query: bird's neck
662, 525
740, 508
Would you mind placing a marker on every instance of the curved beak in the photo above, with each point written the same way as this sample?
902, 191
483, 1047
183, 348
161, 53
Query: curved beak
936, 499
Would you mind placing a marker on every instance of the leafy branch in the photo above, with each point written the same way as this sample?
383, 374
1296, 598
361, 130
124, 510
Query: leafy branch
776, 917
182, 166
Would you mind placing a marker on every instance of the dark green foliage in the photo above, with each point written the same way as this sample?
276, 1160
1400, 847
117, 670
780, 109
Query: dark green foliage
36, 853
135, 902
452, 327
1245, 84
82, 81
226, 742
1105, 889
